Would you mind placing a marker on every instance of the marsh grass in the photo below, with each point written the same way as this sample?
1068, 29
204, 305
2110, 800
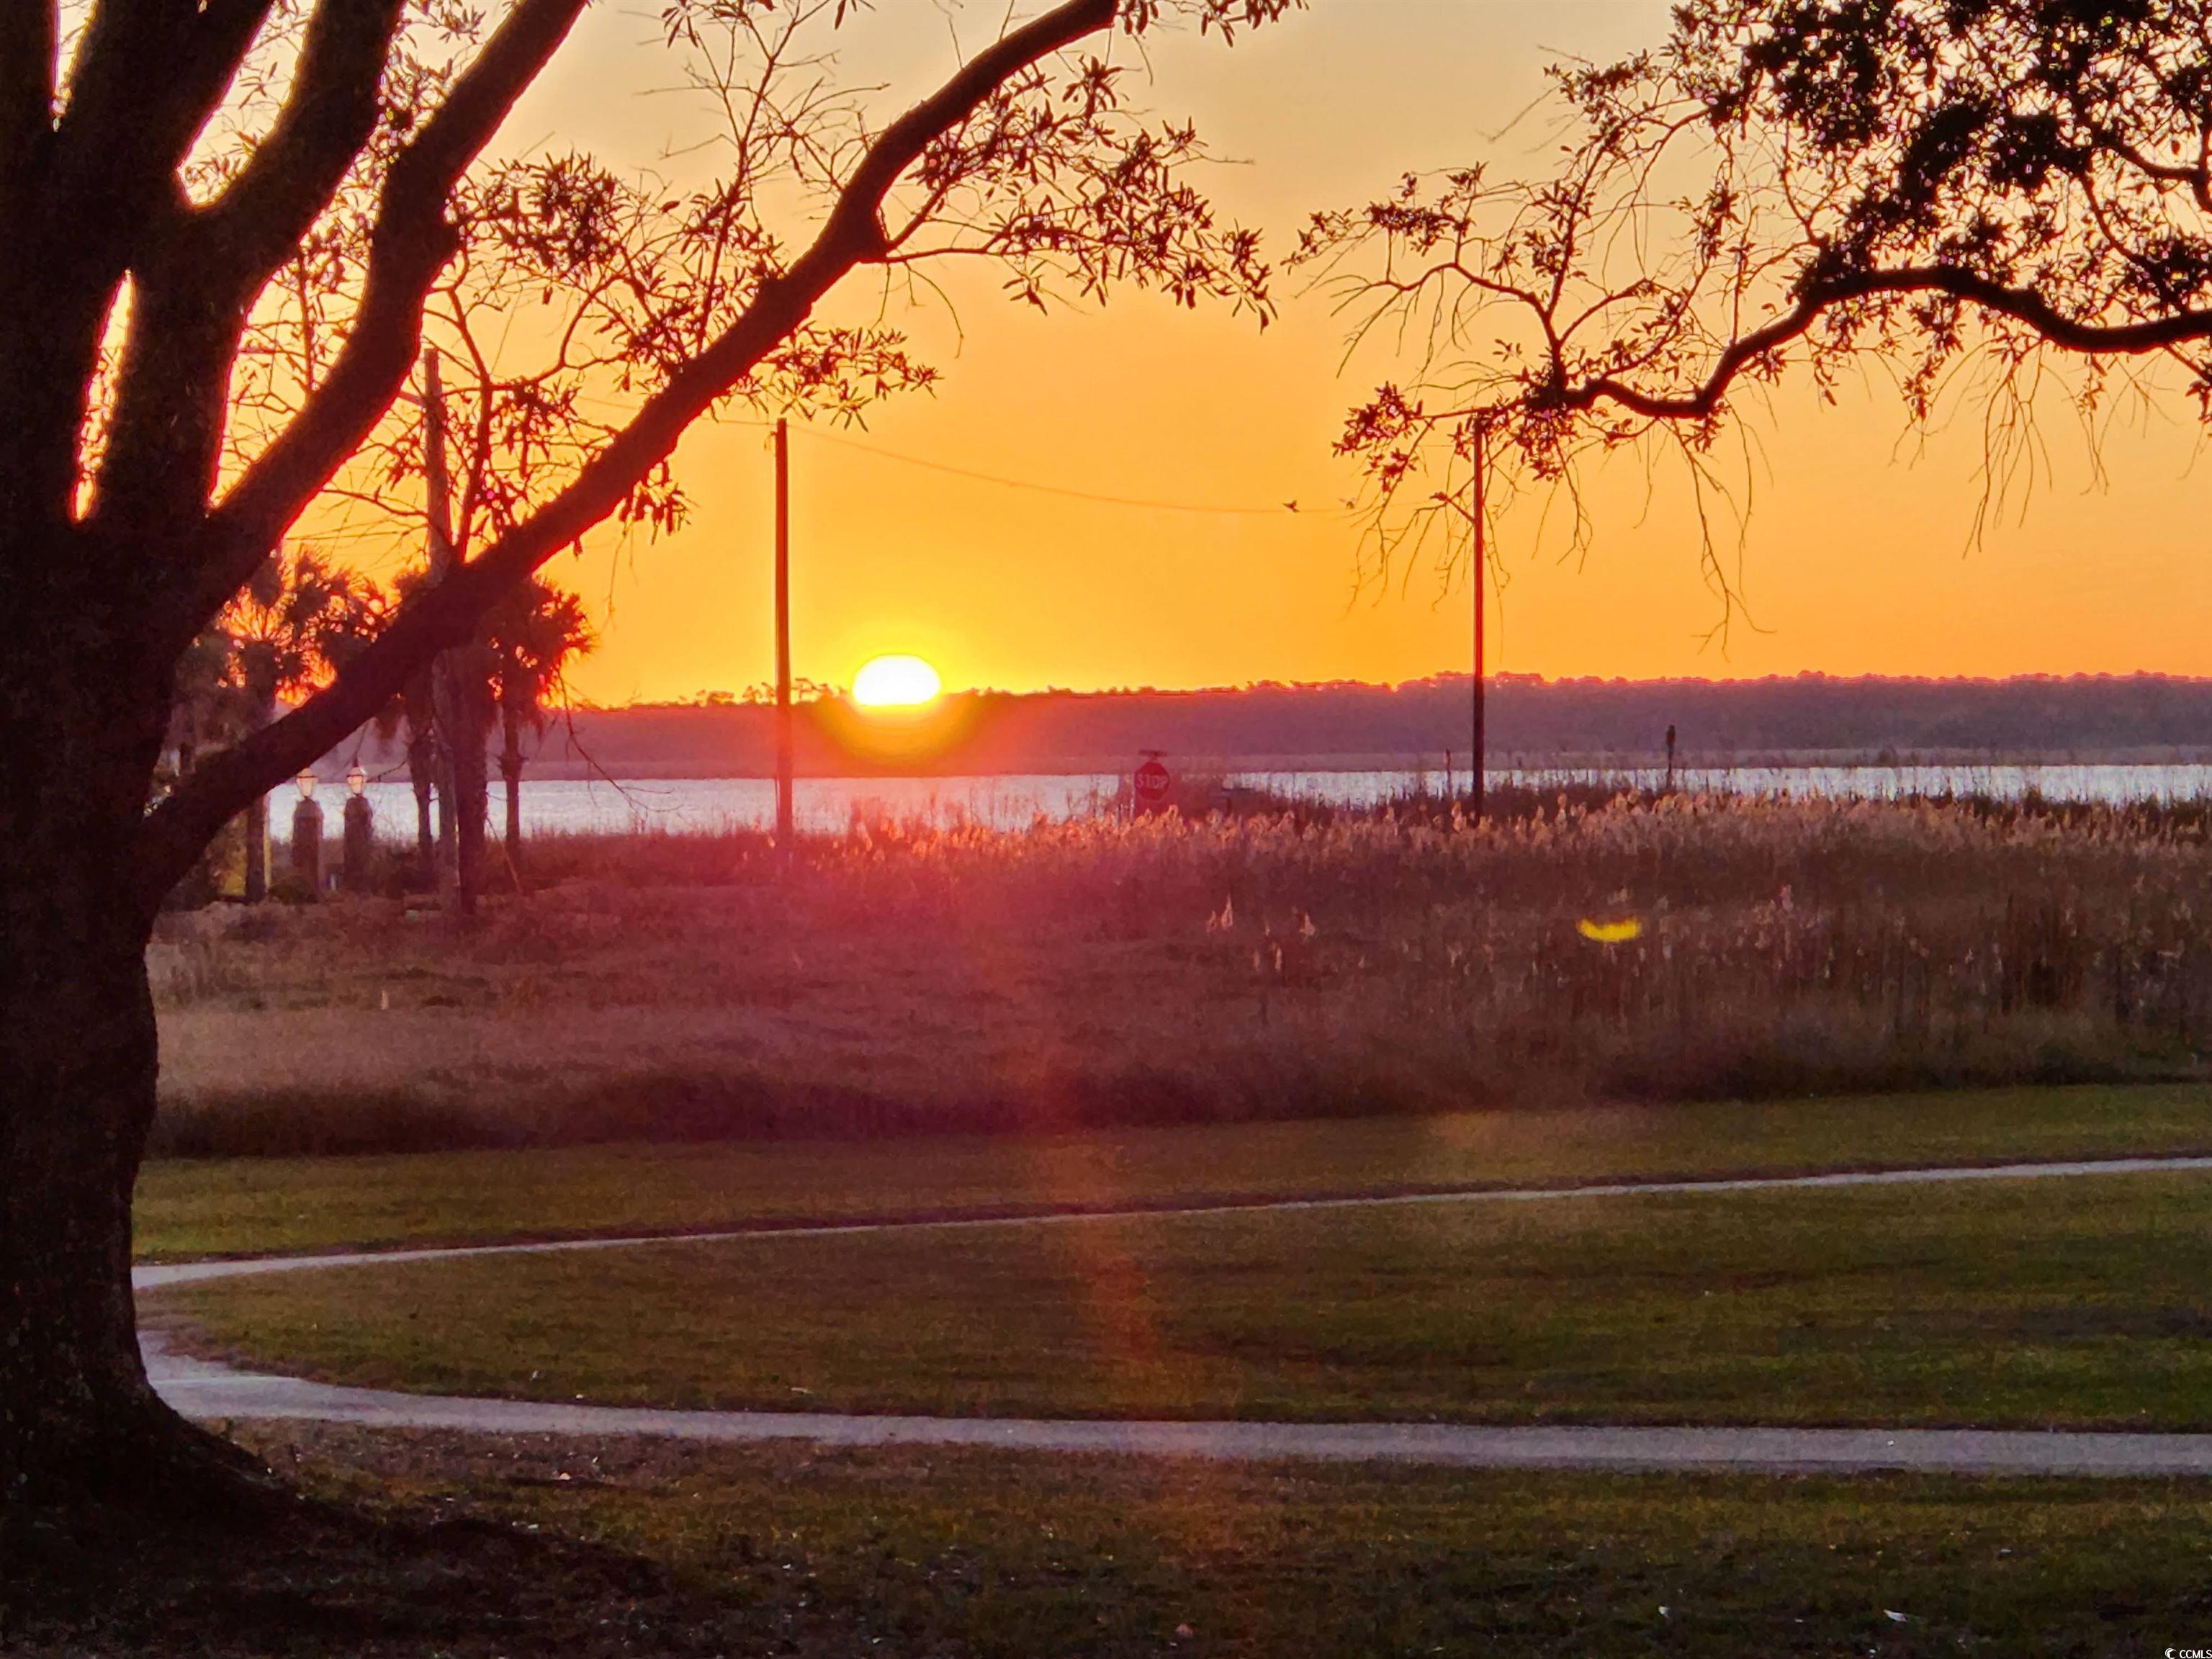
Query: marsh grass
1270, 964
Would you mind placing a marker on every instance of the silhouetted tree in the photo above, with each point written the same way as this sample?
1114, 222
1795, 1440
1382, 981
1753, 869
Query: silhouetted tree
533, 633
411, 716
186, 180
522, 647
1970, 192
288, 630
281, 635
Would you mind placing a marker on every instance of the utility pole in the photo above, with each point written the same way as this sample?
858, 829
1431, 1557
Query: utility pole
438, 515
783, 829
456, 684
1478, 579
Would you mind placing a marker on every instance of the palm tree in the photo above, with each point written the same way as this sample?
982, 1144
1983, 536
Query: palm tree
414, 709
203, 712
292, 626
411, 712
533, 633
524, 646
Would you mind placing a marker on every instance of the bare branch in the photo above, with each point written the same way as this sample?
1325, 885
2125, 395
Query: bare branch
853, 234
247, 231
1706, 399
147, 77
1907, 182
410, 242
169, 410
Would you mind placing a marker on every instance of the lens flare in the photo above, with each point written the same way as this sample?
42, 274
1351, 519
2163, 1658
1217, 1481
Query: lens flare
896, 682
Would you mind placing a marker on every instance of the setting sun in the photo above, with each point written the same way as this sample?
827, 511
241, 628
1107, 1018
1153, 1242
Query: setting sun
896, 682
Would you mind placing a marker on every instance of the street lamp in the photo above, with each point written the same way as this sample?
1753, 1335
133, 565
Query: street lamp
360, 830
307, 837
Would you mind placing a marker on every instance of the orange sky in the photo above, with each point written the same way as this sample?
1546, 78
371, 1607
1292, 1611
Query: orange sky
1856, 562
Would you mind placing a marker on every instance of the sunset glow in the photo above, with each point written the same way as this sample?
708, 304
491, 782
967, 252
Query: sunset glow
1147, 400
896, 682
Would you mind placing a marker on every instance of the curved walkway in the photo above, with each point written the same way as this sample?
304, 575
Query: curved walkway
209, 1390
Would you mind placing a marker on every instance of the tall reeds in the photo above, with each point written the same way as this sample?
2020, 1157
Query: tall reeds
1280, 961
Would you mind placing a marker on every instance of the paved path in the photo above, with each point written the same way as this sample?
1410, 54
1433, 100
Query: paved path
207, 1390
214, 1392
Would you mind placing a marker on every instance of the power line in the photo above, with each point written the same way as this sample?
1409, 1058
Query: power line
1287, 509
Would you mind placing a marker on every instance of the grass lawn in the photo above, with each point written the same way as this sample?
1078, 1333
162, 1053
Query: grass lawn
2075, 1302
190, 1207
640, 1546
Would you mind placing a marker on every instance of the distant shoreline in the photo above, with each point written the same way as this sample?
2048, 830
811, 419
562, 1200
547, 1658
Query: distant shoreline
555, 768
1575, 727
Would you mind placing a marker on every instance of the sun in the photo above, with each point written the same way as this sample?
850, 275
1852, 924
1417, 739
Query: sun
896, 682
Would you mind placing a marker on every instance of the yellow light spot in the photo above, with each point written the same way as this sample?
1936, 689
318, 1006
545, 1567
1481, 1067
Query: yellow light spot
1610, 933
896, 682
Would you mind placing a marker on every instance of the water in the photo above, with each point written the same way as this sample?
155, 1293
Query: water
2114, 784
705, 805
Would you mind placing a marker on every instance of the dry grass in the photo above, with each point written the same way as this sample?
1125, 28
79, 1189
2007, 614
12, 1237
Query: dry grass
1273, 964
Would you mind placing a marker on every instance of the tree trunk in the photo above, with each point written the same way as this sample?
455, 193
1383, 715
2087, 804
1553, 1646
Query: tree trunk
418, 774
510, 769
80, 1064
442, 768
77, 1073
261, 691
459, 679
472, 788
257, 850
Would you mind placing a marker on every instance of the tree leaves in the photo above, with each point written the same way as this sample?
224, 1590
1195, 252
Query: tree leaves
1965, 191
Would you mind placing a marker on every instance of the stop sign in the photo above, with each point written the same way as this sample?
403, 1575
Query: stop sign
1151, 783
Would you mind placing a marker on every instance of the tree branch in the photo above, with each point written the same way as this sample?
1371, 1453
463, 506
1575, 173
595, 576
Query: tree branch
447, 615
147, 75
28, 46
248, 232
410, 244
194, 292
2020, 305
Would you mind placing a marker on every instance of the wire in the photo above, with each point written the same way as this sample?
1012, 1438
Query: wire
1287, 508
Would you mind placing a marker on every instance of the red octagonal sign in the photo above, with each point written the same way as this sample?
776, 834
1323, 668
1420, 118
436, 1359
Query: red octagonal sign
1151, 783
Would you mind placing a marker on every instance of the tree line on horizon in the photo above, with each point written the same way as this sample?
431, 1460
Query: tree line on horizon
1533, 721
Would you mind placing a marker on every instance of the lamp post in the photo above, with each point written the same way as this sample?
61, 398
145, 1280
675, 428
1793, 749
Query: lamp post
360, 831
307, 837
